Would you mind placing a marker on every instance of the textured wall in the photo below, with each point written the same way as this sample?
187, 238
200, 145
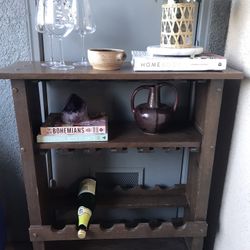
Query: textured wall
14, 45
217, 31
235, 219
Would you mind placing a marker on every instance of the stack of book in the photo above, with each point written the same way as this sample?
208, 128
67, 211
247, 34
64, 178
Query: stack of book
54, 130
145, 61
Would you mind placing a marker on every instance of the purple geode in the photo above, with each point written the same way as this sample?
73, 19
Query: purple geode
75, 110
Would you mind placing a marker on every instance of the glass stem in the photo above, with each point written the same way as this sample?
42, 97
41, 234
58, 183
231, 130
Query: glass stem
83, 49
61, 51
51, 58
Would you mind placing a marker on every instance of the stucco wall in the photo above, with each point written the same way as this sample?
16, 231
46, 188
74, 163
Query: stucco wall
14, 45
218, 25
234, 227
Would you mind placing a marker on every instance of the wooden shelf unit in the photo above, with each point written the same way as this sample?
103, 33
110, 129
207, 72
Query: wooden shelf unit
200, 139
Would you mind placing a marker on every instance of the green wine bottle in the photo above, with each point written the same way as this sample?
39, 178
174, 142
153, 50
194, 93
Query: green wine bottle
86, 203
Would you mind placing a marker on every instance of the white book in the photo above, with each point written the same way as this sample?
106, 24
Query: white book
157, 50
142, 61
72, 138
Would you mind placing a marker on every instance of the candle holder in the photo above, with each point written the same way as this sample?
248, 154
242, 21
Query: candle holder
177, 24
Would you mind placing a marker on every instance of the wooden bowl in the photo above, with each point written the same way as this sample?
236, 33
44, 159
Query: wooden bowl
106, 59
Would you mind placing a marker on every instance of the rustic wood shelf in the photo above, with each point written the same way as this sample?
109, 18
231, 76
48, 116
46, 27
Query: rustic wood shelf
139, 197
207, 89
120, 231
131, 137
135, 197
34, 71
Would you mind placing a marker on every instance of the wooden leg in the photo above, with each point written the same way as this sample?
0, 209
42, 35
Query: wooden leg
194, 243
40, 245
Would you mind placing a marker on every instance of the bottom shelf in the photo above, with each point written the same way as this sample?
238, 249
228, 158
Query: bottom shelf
120, 231
132, 244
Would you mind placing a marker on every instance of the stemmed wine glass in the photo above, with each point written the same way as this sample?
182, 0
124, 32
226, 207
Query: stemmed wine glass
84, 25
41, 28
60, 18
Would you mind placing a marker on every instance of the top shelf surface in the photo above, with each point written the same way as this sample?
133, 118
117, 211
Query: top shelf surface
34, 71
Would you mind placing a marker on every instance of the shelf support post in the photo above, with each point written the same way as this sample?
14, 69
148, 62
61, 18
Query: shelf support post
207, 112
28, 118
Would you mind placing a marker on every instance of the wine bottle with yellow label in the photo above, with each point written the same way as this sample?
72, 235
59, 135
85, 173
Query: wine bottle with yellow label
86, 203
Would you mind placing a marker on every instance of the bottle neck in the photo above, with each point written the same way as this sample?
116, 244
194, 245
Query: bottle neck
88, 185
154, 97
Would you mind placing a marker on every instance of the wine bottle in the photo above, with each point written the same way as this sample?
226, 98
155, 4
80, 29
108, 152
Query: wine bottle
86, 204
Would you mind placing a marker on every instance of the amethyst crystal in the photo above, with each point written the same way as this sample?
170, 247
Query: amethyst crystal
75, 110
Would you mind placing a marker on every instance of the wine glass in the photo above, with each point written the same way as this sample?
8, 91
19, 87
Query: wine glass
41, 28
84, 25
60, 20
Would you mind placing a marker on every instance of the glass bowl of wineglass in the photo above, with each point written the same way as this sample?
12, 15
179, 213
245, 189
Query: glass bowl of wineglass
84, 25
40, 27
60, 19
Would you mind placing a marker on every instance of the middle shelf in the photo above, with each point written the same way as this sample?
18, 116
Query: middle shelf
129, 136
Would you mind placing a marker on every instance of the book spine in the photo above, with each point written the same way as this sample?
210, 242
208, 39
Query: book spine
73, 130
154, 64
72, 138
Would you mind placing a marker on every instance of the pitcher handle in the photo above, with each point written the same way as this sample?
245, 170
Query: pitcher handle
132, 103
175, 91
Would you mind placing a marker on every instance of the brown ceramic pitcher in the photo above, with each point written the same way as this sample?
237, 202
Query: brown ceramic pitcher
153, 116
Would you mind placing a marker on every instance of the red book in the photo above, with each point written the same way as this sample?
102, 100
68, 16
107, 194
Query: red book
54, 126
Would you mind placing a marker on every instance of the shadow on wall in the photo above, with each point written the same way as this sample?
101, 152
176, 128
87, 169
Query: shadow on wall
226, 125
12, 193
219, 26
13, 202
2, 228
